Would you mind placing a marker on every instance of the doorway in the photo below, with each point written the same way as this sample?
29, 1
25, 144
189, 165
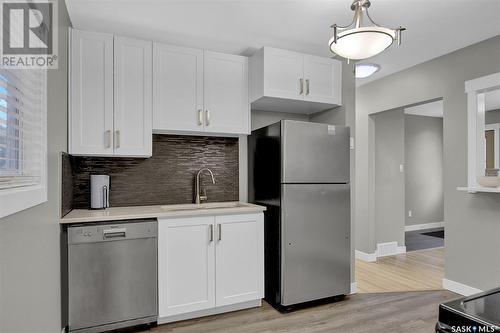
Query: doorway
407, 154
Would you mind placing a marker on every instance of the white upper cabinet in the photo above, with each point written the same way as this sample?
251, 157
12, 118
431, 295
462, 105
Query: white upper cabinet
322, 80
123, 89
284, 74
91, 93
110, 95
178, 88
199, 91
227, 109
286, 81
133, 97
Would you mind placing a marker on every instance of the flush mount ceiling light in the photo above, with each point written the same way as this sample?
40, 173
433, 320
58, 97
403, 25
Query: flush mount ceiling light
362, 38
365, 70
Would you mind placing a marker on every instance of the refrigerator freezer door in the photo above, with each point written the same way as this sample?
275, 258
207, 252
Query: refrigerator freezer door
315, 242
314, 153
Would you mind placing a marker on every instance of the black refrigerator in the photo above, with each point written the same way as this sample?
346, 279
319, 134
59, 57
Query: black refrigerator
301, 172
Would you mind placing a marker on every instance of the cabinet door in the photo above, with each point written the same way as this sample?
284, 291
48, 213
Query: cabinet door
91, 93
186, 262
240, 258
283, 72
227, 108
178, 88
133, 134
322, 80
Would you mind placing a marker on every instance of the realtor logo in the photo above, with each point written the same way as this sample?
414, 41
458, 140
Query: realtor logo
29, 34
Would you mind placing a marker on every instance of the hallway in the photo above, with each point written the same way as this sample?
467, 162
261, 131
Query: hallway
412, 271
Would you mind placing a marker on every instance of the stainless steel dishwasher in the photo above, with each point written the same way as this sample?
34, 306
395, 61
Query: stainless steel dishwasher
112, 275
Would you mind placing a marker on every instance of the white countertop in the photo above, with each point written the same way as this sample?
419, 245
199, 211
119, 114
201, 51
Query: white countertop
165, 211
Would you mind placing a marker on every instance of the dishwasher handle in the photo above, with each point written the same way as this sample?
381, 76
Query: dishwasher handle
114, 233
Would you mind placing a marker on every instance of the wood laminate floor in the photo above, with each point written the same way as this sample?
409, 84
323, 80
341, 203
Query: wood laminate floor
386, 302
414, 312
412, 271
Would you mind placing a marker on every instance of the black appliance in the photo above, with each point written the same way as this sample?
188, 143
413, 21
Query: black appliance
477, 313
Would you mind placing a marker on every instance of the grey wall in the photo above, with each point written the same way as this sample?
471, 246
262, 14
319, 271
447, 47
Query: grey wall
389, 180
472, 221
424, 194
492, 117
29, 240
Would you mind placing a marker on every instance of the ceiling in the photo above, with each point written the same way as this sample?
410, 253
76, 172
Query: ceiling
432, 109
242, 26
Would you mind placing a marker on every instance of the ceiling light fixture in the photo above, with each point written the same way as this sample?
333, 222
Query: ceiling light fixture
365, 70
362, 38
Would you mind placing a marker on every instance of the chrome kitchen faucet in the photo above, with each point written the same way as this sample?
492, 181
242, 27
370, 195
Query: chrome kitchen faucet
203, 197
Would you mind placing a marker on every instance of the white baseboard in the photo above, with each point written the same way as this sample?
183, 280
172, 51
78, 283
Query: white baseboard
424, 226
460, 288
389, 249
354, 288
210, 312
368, 257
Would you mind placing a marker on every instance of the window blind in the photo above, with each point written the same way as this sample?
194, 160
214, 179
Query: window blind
22, 127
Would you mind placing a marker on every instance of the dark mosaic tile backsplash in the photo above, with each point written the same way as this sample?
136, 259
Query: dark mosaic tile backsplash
165, 178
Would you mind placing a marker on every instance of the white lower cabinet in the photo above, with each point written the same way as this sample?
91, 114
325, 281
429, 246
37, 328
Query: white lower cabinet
240, 259
208, 264
186, 265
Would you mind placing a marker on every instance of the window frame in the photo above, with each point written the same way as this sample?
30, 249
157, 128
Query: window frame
16, 199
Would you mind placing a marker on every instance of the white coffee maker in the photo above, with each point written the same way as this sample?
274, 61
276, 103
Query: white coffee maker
99, 191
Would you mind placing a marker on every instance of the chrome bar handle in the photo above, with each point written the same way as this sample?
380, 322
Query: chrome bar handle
200, 117
207, 117
220, 232
211, 232
114, 233
105, 197
301, 81
108, 138
307, 86
117, 139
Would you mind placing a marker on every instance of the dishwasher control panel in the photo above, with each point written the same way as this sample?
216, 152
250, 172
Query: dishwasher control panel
112, 231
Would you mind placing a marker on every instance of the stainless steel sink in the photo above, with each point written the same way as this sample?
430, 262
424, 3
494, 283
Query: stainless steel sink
210, 205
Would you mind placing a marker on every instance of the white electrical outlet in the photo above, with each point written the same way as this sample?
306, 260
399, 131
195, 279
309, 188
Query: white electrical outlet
401, 168
410, 213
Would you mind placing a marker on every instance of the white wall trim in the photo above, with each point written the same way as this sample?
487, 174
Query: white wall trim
389, 249
476, 150
423, 226
459, 288
368, 257
354, 288
491, 81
